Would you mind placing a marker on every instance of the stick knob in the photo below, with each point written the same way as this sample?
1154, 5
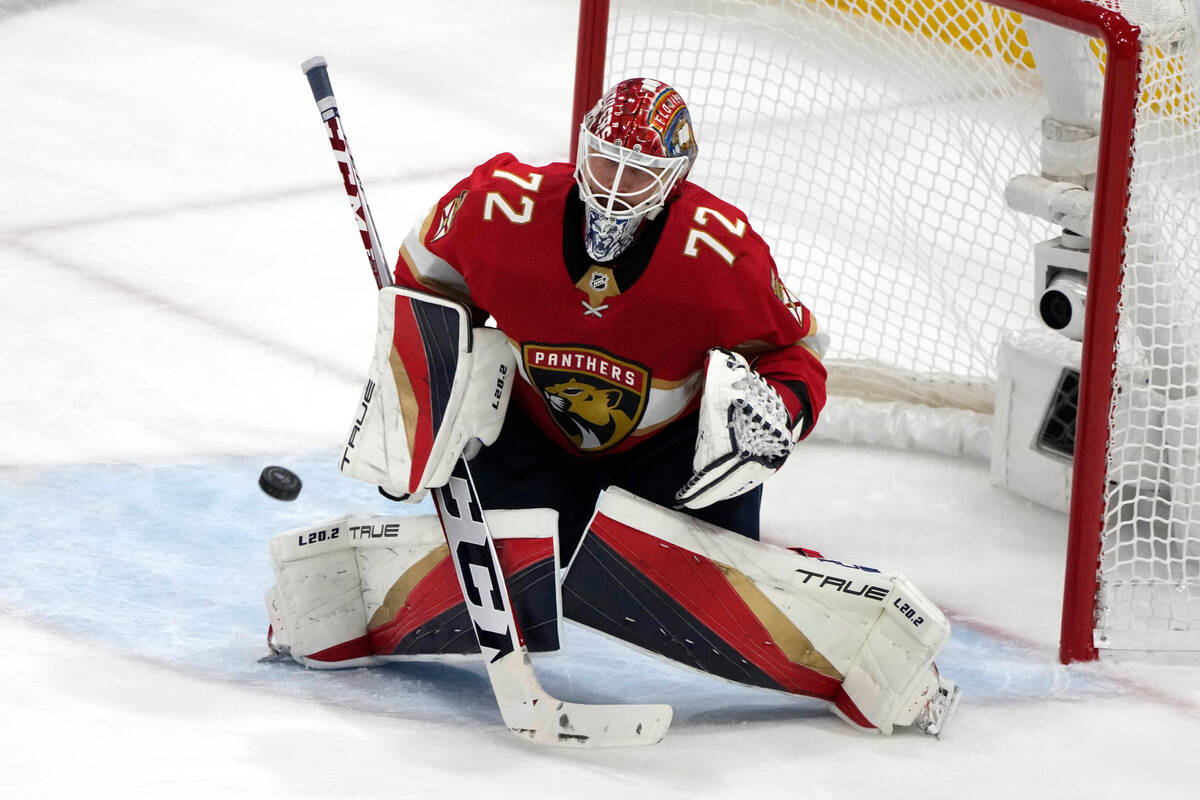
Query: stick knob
318, 80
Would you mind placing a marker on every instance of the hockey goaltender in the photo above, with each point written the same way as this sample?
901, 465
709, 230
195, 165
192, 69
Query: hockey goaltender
632, 370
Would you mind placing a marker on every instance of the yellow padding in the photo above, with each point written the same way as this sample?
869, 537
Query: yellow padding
974, 26
979, 27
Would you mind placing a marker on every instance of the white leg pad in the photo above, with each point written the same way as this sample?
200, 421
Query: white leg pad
332, 578
874, 629
894, 666
319, 600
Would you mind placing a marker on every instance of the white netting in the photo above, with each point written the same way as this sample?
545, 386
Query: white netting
1150, 560
873, 159
870, 142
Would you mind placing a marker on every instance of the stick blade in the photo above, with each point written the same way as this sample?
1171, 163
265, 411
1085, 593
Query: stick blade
582, 725
531, 713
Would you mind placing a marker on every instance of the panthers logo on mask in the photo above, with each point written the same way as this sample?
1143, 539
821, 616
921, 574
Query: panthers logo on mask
595, 398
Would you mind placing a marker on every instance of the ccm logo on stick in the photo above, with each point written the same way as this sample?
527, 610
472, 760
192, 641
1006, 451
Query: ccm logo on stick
478, 568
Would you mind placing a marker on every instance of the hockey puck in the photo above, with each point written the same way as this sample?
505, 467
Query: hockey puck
279, 482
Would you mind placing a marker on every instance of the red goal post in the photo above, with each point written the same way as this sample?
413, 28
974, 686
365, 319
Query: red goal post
709, 33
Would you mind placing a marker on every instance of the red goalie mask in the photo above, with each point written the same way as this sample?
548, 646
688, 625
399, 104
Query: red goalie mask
635, 148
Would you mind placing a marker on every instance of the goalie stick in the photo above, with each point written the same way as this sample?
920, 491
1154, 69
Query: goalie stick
527, 709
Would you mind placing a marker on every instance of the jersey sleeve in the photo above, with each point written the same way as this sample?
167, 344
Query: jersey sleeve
780, 337
796, 371
433, 254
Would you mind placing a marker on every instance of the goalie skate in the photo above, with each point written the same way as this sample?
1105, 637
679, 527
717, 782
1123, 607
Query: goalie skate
933, 714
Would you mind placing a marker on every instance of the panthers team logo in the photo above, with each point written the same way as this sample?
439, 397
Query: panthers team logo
669, 116
595, 398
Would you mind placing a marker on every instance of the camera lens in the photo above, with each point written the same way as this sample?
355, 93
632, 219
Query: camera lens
1061, 304
1055, 309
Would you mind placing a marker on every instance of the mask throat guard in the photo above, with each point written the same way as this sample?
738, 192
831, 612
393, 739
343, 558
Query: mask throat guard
605, 238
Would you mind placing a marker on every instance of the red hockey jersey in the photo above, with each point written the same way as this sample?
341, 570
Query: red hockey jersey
611, 353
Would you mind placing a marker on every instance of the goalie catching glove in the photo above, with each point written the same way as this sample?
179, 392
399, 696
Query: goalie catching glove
438, 389
745, 433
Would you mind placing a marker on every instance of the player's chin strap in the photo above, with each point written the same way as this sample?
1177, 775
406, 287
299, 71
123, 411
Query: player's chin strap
744, 436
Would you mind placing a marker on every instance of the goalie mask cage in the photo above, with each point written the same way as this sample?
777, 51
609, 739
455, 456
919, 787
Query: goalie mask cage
871, 141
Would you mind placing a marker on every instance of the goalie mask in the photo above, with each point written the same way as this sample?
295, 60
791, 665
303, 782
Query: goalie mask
635, 148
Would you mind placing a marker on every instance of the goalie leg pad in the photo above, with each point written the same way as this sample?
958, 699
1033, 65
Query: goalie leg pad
360, 591
436, 388
892, 677
754, 613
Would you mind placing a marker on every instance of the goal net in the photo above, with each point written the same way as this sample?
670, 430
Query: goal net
871, 142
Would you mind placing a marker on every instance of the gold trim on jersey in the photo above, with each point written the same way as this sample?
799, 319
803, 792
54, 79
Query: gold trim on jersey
803, 343
452, 291
756, 347
426, 223
646, 430
663, 385
407, 258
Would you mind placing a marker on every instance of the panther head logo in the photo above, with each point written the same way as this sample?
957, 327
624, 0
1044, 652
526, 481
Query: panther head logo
590, 415
595, 398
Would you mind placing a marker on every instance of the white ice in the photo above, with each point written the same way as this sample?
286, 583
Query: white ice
183, 299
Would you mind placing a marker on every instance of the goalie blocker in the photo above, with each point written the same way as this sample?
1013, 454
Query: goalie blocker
420, 411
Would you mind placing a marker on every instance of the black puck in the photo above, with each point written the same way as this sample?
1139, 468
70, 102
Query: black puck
279, 482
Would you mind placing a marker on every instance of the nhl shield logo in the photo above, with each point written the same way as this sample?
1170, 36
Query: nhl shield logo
598, 281
594, 398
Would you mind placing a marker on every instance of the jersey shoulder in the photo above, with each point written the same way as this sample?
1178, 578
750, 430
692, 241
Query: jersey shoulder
716, 233
503, 187
507, 174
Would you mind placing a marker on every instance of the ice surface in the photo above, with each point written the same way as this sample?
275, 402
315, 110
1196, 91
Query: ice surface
183, 300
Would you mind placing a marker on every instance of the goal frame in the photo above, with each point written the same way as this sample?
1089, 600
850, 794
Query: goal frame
1121, 39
